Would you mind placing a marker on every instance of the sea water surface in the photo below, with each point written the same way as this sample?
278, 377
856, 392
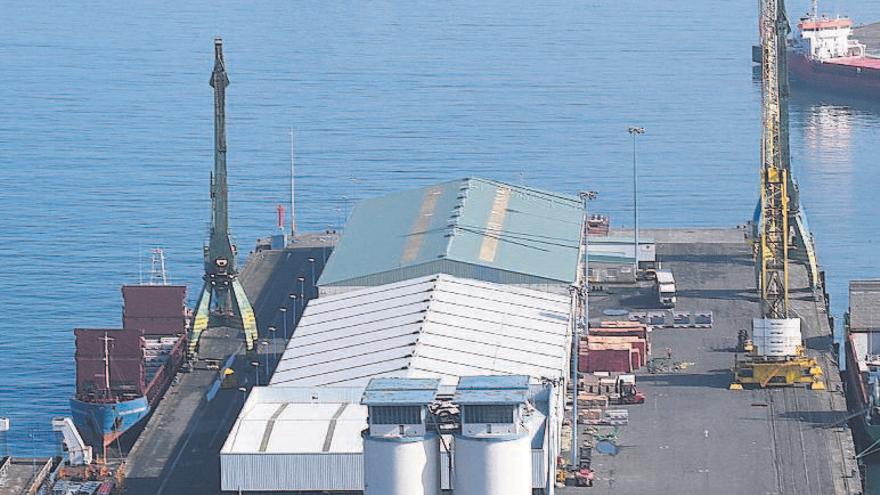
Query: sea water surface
106, 136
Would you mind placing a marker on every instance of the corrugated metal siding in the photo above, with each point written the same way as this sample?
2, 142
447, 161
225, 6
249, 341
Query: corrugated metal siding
291, 472
454, 268
322, 472
539, 475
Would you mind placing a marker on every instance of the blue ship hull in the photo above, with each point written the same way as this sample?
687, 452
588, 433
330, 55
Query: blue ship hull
103, 424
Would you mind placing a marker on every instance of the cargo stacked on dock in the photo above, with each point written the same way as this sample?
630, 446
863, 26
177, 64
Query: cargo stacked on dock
615, 347
122, 373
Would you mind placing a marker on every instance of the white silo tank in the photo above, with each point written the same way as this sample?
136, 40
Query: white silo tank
401, 453
492, 466
777, 338
402, 466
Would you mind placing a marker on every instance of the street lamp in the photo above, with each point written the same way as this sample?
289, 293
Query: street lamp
265, 344
256, 365
284, 323
272, 333
586, 197
293, 307
312, 264
302, 289
243, 391
636, 131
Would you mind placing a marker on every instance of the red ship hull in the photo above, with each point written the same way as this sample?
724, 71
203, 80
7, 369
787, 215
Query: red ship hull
853, 76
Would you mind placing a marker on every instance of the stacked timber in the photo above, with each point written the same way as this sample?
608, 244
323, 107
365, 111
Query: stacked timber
615, 347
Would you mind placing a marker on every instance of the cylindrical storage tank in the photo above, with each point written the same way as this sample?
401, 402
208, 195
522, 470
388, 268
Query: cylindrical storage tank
776, 337
492, 466
402, 466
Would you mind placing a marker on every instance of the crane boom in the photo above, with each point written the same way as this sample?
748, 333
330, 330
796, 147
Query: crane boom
775, 167
222, 294
777, 356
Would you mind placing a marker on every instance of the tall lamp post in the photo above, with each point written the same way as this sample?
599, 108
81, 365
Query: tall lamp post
265, 345
312, 264
302, 289
635, 131
256, 365
293, 307
272, 331
284, 324
586, 197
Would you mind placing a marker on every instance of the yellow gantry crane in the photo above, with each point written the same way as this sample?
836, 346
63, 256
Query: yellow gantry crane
773, 250
777, 356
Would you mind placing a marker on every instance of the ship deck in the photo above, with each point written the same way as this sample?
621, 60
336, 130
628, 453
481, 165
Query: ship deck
178, 451
858, 62
693, 435
869, 34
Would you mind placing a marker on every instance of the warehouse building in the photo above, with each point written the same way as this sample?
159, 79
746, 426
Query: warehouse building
303, 432
470, 228
612, 258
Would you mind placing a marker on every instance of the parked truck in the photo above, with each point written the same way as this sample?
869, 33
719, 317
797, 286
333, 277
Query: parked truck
664, 288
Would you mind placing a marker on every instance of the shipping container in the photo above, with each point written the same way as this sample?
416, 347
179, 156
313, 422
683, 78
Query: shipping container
121, 355
602, 358
636, 343
156, 309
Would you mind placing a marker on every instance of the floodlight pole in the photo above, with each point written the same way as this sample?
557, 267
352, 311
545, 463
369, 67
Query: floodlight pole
580, 292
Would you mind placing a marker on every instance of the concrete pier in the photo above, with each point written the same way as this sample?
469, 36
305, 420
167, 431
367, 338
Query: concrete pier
178, 452
693, 435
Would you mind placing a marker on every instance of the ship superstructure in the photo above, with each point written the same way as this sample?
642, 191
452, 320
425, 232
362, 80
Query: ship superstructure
824, 54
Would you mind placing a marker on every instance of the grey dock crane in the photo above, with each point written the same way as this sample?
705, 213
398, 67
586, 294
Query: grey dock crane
222, 299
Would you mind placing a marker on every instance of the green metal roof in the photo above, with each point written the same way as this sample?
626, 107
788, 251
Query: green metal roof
477, 222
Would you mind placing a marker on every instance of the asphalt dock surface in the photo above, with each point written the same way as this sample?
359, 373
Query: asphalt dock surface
178, 452
693, 435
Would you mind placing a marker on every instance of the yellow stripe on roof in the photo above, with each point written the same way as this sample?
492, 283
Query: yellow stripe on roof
495, 224
417, 232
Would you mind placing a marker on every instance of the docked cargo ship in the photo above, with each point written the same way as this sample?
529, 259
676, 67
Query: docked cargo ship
862, 374
824, 54
122, 373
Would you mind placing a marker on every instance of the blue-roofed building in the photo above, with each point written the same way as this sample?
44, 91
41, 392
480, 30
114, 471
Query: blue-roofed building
471, 228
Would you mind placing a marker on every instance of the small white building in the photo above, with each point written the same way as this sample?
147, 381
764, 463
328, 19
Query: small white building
612, 258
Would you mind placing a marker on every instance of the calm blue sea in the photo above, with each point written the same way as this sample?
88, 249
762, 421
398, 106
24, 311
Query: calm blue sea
106, 137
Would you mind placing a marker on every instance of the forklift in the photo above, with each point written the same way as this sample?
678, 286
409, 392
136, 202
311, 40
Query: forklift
626, 392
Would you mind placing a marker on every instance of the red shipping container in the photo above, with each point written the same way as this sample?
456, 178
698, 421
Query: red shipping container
636, 343
156, 309
613, 360
124, 351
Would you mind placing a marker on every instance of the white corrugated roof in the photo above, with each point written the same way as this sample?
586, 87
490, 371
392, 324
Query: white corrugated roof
438, 326
295, 421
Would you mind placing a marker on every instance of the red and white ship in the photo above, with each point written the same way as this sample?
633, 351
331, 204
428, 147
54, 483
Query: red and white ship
823, 54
